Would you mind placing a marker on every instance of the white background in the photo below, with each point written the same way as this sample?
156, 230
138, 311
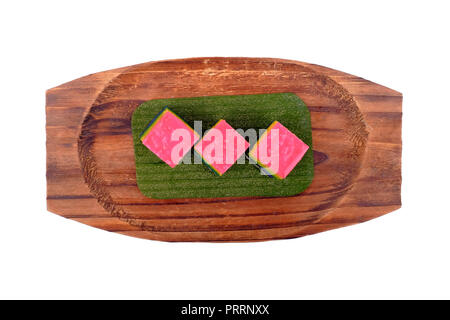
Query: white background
402, 45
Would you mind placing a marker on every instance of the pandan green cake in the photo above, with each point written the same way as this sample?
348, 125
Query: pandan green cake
191, 178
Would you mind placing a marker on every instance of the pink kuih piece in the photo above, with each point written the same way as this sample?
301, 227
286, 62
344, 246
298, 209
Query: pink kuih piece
221, 147
169, 137
278, 150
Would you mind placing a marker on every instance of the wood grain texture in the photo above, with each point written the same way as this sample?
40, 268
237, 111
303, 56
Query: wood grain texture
91, 177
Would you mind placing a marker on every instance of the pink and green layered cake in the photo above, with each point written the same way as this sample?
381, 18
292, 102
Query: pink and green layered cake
221, 146
278, 151
169, 137
157, 180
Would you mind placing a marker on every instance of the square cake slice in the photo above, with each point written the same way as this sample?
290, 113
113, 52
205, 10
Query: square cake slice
169, 137
278, 150
221, 146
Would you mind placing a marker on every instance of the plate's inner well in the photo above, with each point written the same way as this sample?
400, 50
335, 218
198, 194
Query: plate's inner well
156, 179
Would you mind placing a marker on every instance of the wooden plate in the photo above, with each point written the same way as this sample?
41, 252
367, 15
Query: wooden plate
91, 175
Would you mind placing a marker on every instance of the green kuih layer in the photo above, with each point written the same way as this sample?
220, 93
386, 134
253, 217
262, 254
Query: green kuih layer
157, 180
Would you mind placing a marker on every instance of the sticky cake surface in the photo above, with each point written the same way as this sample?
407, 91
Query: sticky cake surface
231, 144
278, 140
169, 137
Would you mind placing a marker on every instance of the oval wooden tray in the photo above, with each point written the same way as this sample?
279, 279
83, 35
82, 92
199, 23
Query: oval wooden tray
91, 178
